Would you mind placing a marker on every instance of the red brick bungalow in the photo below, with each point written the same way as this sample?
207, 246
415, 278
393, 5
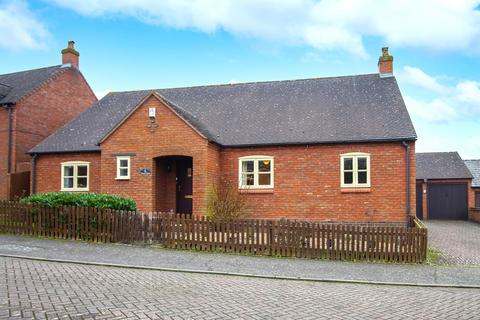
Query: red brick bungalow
33, 105
337, 149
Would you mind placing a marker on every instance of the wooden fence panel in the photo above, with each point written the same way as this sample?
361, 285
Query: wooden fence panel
300, 239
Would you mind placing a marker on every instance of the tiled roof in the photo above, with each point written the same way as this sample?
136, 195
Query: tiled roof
323, 110
474, 167
14, 86
441, 165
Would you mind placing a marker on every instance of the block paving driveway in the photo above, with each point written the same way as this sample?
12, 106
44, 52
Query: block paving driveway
52, 290
457, 241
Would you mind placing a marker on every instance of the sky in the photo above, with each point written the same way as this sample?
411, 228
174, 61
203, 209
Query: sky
145, 44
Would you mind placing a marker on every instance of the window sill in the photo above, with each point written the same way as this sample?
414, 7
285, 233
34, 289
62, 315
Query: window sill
270, 190
355, 190
73, 190
122, 179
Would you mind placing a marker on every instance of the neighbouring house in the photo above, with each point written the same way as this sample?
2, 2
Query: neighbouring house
336, 149
474, 167
33, 105
443, 186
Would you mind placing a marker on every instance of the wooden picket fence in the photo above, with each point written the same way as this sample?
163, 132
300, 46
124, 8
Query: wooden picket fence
287, 238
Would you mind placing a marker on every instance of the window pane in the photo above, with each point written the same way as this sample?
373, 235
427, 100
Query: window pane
82, 183
264, 179
362, 163
82, 171
348, 177
247, 179
68, 171
264, 165
348, 164
68, 183
123, 172
123, 163
247, 166
362, 177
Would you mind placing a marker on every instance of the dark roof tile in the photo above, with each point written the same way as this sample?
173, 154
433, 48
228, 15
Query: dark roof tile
322, 110
441, 165
14, 86
474, 167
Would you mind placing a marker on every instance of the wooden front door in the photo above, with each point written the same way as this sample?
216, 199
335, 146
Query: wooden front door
184, 186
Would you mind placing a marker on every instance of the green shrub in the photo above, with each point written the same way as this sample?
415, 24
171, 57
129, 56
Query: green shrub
92, 200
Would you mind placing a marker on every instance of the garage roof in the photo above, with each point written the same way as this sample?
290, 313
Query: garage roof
441, 165
474, 167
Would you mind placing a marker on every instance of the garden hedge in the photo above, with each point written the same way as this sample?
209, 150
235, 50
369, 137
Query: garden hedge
91, 200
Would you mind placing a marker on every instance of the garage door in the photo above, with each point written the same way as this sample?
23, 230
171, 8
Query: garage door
447, 201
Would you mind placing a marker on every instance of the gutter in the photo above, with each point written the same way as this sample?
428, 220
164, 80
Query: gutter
407, 173
33, 174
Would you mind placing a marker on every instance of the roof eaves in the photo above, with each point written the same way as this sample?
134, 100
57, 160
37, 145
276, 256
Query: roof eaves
294, 143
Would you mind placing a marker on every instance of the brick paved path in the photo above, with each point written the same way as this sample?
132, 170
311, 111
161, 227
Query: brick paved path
50, 290
458, 241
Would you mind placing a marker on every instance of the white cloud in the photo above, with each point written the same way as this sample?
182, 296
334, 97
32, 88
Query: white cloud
442, 25
20, 28
419, 78
436, 110
468, 93
101, 93
460, 101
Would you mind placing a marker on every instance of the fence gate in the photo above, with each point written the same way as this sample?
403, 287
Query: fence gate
19, 185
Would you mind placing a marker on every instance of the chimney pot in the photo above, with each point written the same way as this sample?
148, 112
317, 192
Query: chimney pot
70, 55
385, 63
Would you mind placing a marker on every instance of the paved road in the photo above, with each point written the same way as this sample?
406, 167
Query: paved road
267, 266
458, 241
50, 290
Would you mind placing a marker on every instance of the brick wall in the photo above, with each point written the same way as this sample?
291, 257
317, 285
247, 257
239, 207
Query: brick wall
3, 152
39, 114
55, 103
307, 183
172, 137
474, 214
48, 170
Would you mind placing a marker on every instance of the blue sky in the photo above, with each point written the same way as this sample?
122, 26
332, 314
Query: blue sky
128, 45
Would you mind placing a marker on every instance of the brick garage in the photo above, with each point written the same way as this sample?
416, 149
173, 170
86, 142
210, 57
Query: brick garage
329, 149
41, 101
443, 189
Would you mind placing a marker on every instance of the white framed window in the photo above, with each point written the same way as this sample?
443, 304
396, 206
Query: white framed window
255, 172
123, 168
355, 170
75, 176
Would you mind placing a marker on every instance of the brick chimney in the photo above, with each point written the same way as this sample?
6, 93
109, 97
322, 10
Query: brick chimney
70, 55
385, 64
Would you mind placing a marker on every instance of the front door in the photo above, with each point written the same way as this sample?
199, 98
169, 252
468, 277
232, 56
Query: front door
184, 186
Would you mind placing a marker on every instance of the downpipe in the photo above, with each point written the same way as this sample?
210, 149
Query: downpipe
33, 174
407, 173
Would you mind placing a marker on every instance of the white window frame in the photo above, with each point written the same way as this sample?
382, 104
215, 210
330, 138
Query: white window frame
129, 166
75, 165
354, 156
255, 172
